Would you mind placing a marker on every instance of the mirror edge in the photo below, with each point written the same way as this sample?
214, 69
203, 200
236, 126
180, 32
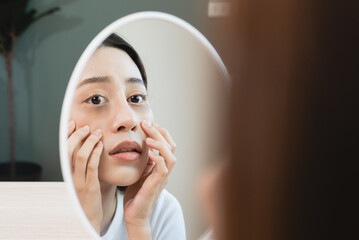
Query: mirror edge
70, 90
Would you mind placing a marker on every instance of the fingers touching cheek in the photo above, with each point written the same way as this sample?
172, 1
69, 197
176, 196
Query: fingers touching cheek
164, 151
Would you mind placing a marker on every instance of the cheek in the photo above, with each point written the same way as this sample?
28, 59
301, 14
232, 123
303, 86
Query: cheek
146, 113
82, 118
151, 117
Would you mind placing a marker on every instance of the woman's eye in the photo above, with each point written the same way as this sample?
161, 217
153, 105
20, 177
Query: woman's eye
96, 100
136, 99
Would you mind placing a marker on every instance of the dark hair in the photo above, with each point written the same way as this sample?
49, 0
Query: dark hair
116, 41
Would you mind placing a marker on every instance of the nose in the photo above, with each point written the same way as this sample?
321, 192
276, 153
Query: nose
125, 119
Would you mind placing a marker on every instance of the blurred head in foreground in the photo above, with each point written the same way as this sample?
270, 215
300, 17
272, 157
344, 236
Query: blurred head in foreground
293, 166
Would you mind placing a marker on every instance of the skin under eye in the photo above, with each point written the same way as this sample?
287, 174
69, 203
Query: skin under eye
96, 100
137, 98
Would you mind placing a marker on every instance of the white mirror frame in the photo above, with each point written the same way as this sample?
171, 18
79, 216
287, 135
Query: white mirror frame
67, 102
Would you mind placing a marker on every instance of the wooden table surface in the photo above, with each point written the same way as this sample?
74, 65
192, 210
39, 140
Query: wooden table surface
39, 210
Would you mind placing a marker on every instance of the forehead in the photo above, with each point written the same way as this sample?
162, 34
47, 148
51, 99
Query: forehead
112, 62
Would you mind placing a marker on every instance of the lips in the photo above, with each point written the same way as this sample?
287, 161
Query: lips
125, 147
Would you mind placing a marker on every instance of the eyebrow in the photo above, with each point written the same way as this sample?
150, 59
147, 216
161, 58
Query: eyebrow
134, 80
106, 79
100, 79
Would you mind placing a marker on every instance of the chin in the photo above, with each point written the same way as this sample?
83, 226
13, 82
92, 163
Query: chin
121, 176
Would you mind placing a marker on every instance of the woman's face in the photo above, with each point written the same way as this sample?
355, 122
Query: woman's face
111, 96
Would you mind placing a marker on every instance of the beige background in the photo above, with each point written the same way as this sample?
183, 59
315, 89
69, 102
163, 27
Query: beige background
187, 93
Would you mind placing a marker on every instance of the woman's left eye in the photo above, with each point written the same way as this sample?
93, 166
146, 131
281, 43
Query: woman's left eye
136, 99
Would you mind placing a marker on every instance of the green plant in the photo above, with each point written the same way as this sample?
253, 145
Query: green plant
15, 18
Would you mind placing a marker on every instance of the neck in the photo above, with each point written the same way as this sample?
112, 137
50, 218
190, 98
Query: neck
108, 197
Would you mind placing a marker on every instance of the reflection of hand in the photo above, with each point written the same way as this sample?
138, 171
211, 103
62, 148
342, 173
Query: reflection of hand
84, 152
141, 197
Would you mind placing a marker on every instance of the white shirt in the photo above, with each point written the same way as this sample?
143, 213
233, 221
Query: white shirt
166, 220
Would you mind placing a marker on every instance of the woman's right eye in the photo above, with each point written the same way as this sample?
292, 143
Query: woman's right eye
96, 100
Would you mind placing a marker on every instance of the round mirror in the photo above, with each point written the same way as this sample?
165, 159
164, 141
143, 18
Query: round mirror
146, 66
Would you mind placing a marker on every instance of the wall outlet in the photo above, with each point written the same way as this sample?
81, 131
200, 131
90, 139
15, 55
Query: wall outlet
219, 9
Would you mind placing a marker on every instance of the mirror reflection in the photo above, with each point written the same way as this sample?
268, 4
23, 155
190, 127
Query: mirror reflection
146, 114
121, 159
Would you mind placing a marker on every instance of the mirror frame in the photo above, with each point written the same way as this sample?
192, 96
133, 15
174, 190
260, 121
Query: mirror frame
71, 87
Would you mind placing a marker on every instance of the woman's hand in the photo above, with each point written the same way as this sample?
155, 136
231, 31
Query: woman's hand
141, 197
84, 150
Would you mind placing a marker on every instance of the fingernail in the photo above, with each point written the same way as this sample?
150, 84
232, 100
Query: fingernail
71, 124
85, 129
150, 140
97, 132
